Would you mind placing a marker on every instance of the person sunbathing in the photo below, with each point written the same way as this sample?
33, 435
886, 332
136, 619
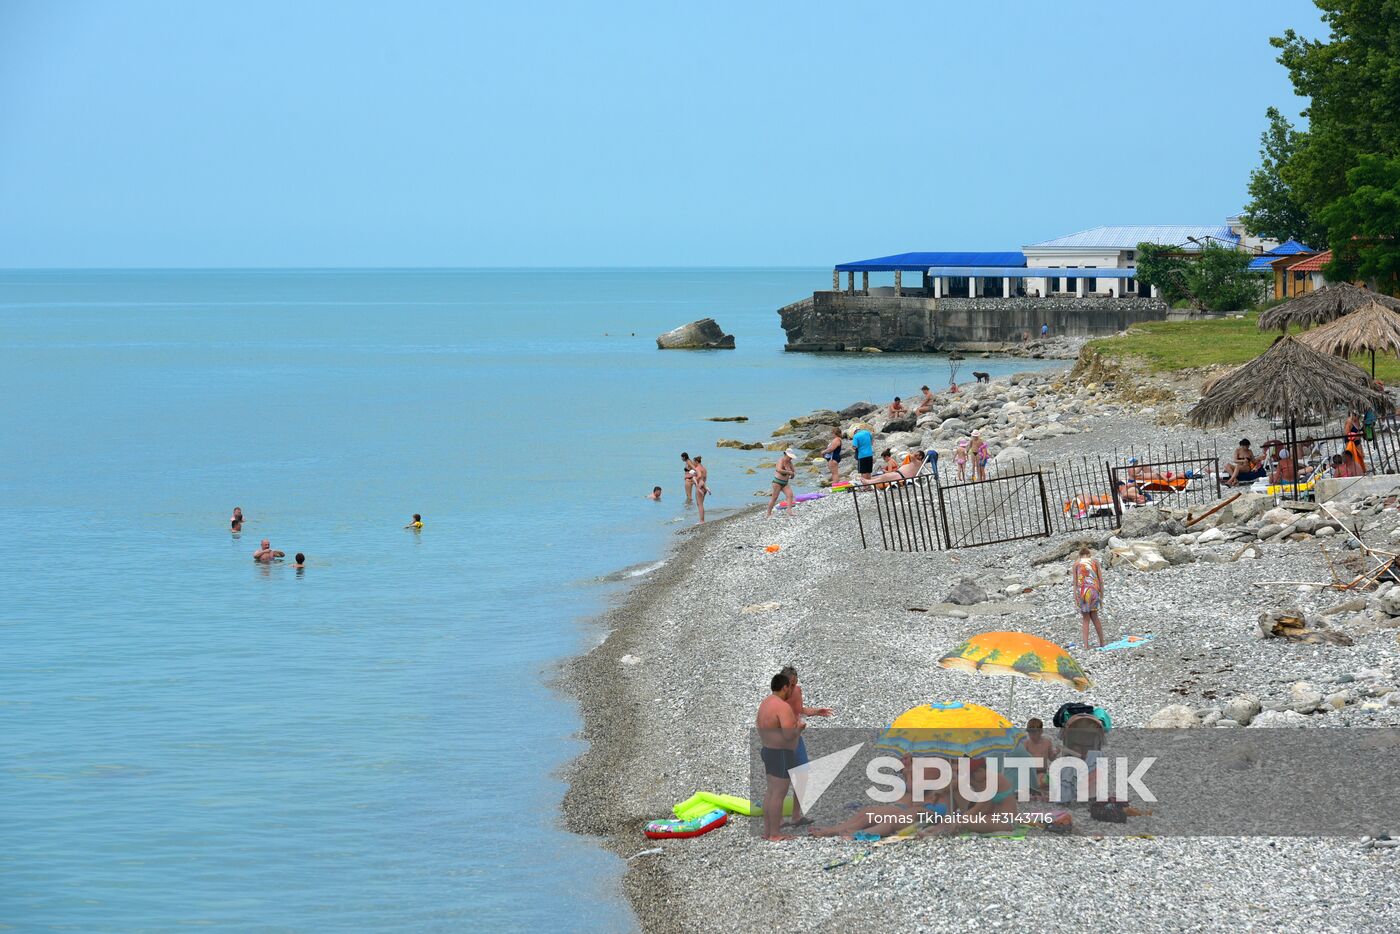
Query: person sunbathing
885, 819
1129, 493
1245, 468
980, 816
902, 472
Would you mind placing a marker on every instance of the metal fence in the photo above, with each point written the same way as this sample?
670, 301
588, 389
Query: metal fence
939, 510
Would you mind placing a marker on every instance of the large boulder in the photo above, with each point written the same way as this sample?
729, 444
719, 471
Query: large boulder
1174, 717
1142, 522
907, 423
704, 334
858, 409
1242, 708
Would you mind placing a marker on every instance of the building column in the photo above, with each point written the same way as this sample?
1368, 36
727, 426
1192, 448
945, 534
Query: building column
898, 283
971, 286
1079, 285
865, 282
835, 280
1063, 282
851, 281
1006, 287
937, 286
1154, 292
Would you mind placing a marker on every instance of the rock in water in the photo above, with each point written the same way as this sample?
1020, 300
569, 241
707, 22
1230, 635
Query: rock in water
704, 334
966, 593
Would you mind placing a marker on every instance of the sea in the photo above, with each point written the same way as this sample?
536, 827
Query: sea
372, 742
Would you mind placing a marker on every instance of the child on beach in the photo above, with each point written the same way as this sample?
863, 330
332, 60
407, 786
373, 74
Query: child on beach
1038, 746
960, 458
1088, 593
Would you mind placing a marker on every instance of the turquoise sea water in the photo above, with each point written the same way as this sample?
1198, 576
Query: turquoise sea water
193, 739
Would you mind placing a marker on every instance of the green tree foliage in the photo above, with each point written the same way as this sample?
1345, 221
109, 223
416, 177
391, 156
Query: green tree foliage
1273, 209
1365, 224
1352, 81
1216, 278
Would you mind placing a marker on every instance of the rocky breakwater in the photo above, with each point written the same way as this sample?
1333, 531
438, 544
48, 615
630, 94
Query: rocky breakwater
1011, 415
704, 334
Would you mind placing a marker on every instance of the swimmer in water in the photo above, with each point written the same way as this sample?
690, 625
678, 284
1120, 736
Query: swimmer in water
299, 561
266, 555
417, 523
236, 523
655, 494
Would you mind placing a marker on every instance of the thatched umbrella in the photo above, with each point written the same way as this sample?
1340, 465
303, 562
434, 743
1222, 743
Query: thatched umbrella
1371, 327
1325, 304
1287, 379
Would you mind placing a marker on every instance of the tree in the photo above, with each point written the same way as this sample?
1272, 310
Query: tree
1364, 224
1352, 81
1273, 209
1216, 278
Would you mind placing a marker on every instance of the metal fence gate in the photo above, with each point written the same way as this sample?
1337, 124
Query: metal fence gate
923, 515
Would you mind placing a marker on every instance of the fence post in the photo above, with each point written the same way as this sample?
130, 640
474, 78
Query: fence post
943, 517
1113, 491
855, 498
1044, 503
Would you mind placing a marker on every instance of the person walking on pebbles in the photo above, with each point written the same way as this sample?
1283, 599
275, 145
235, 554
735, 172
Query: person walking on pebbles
1088, 593
782, 482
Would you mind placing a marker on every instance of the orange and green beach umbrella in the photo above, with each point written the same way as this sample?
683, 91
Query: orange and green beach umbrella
950, 730
1017, 655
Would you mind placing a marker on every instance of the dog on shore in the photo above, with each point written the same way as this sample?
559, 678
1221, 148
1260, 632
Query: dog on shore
982, 377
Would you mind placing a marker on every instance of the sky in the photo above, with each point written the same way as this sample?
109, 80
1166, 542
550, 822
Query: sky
421, 133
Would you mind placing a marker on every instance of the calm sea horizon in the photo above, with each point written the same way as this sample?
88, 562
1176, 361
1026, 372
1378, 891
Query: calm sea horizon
369, 743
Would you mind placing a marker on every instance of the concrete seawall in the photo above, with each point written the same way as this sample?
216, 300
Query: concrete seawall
847, 321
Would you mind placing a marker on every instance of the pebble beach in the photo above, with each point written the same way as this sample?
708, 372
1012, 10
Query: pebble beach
668, 695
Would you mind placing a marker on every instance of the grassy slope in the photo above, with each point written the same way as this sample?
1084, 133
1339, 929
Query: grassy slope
1179, 345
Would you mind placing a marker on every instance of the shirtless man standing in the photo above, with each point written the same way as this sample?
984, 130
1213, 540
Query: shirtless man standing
265, 554
701, 474
778, 731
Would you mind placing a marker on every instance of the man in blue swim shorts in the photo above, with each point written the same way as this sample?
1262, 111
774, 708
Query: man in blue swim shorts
778, 731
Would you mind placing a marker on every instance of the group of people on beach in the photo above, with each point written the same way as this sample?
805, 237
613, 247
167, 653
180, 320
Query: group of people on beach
1282, 462
782, 749
266, 554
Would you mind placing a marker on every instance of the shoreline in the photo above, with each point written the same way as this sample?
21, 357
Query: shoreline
671, 723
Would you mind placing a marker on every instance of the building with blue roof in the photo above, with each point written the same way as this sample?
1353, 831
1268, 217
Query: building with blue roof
1099, 261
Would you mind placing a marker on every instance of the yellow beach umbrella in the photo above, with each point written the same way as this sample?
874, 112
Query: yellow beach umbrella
950, 730
1017, 655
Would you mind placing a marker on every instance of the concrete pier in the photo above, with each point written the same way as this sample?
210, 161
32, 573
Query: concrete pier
850, 321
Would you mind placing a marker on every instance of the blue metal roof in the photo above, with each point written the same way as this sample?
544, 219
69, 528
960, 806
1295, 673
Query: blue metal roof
1127, 238
918, 262
1027, 272
1265, 261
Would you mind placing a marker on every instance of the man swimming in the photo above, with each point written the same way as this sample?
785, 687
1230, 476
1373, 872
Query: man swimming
266, 555
299, 561
655, 494
236, 523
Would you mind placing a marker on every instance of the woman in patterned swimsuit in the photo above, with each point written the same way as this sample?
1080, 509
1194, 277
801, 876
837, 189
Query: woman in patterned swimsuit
1088, 593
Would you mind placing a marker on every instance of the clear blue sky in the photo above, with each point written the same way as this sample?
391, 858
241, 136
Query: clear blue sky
416, 133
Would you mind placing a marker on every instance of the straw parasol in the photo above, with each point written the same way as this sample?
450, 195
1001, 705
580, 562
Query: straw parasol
1287, 379
1325, 304
1371, 327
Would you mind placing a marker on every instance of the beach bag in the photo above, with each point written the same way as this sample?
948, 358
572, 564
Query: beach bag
1070, 709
